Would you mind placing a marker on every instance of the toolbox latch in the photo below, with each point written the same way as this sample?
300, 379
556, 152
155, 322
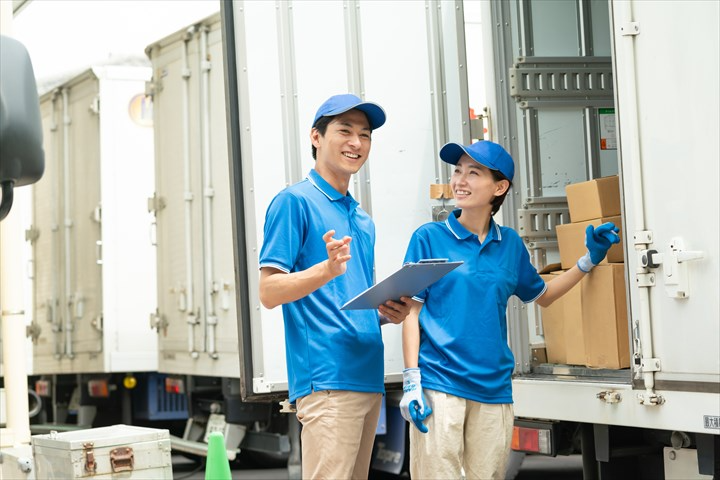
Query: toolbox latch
90, 463
122, 459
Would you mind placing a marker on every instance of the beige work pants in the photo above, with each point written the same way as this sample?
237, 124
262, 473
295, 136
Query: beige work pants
462, 433
338, 430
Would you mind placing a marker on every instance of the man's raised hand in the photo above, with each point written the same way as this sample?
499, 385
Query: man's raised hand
338, 253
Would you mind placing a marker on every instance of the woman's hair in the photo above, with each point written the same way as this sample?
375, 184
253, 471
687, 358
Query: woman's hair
321, 126
498, 201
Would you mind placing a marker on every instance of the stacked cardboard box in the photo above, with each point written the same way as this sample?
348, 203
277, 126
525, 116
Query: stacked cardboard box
588, 325
563, 326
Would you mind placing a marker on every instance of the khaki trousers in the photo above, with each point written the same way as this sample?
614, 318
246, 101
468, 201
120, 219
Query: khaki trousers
338, 430
462, 434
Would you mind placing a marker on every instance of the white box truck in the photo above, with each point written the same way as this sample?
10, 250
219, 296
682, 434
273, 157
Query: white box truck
575, 91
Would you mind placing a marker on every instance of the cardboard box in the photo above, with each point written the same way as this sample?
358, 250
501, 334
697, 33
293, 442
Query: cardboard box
553, 328
571, 242
594, 199
563, 326
604, 313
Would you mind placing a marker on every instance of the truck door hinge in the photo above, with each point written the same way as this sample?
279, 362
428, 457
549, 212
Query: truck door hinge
645, 279
158, 322
33, 332
630, 28
609, 396
155, 203
32, 234
94, 106
650, 365
650, 399
643, 237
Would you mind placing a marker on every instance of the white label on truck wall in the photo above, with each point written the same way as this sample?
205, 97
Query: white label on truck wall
711, 421
608, 132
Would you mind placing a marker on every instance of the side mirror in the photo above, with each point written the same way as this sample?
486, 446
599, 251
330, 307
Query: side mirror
22, 159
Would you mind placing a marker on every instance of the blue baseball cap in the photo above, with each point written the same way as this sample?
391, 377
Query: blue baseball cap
338, 104
484, 152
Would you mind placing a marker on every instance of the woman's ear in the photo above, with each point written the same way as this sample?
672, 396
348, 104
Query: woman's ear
501, 187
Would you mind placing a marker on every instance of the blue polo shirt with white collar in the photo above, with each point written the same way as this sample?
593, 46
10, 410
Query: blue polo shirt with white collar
326, 348
463, 330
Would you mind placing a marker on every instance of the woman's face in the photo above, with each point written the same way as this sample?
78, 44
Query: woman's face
473, 184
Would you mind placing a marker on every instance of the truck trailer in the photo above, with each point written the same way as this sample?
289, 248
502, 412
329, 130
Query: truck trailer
575, 91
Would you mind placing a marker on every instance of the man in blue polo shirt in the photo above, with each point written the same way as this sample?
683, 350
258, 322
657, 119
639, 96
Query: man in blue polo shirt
318, 252
455, 338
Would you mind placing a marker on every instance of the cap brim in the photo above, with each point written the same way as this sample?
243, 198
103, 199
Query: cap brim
374, 112
452, 152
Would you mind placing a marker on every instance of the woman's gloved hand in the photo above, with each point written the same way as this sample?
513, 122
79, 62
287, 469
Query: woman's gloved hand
413, 406
598, 241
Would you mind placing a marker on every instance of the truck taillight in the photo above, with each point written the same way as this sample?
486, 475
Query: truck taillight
174, 385
533, 440
42, 388
98, 388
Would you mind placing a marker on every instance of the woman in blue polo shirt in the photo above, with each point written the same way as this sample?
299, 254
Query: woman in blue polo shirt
455, 339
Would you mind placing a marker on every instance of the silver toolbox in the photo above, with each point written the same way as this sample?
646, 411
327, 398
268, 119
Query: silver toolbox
118, 451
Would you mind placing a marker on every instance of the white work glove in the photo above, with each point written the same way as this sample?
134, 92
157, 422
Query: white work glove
413, 406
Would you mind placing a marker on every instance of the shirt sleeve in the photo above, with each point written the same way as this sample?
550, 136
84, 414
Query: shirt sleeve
418, 249
529, 286
285, 229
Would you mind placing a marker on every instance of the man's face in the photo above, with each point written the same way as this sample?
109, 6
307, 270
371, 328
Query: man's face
345, 146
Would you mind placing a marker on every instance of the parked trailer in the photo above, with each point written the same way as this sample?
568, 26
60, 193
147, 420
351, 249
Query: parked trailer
575, 92
92, 262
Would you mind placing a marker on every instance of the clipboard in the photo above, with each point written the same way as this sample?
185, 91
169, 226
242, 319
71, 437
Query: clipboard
406, 282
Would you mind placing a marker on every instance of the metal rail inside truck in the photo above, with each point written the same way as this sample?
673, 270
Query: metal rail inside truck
146, 227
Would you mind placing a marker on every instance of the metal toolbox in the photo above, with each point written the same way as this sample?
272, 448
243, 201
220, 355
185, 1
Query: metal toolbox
118, 451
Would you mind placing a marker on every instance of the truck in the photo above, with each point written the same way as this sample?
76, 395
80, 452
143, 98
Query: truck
573, 90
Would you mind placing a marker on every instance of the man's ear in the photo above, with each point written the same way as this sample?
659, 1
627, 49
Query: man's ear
315, 137
501, 187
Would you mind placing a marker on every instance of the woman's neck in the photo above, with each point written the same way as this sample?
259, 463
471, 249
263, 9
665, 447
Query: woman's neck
476, 221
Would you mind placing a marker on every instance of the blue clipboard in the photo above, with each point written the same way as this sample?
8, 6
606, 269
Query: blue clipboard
411, 279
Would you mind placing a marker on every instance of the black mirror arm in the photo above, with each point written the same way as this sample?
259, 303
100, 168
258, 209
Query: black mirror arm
7, 198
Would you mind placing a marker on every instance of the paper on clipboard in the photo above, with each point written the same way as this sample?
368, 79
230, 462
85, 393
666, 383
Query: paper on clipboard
406, 282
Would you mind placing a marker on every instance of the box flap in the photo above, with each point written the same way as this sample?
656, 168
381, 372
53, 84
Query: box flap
550, 268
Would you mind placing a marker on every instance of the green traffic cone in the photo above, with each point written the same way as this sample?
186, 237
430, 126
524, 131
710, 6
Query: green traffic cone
217, 466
